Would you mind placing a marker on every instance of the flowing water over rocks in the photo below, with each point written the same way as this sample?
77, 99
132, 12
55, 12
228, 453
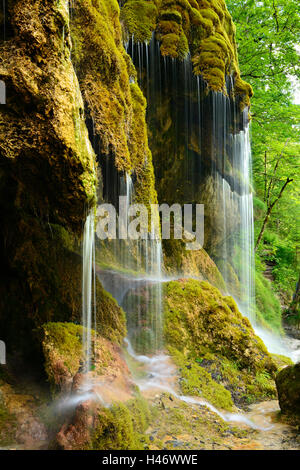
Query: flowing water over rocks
257, 429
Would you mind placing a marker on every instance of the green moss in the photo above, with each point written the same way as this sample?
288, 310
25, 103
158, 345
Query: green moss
195, 380
106, 75
171, 15
214, 322
62, 342
174, 45
122, 426
232, 280
244, 90
281, 361
102, 71
64, 354
139, 17
138, 145
196, 263
203, 28
203, 326
110, 318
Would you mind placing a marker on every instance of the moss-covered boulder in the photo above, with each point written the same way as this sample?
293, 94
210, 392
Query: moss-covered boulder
65, 357
288, 389
122, 426
204, 329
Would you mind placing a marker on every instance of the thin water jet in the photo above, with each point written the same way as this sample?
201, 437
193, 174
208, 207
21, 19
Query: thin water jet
88, 287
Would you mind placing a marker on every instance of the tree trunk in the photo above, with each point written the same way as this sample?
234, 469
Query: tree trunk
263, 227
269, 210
294, 306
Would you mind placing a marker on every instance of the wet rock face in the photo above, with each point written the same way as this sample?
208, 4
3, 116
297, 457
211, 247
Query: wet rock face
43, 141
47, 174
65, 359
288, 389
194, 263
115, 105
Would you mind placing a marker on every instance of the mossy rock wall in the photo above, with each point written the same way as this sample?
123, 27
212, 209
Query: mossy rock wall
48, 172
203, 28
43, 140
48, 169
194, 263
114, 103
43, 284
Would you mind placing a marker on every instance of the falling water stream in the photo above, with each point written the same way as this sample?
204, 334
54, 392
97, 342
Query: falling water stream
88, 287
137, 281
202, 138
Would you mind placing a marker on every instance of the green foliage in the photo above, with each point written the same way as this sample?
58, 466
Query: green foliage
281, 252
268, 308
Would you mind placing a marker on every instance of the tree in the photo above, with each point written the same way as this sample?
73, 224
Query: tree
269, 186
268, 38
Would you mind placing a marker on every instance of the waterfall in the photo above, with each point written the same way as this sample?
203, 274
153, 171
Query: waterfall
88, 287
238, 249
134, 275
201, 151
247, 263
143, 303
